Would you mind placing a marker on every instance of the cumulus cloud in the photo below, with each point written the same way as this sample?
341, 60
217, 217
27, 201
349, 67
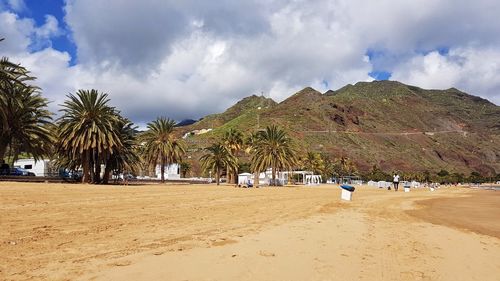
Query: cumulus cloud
16, 5
474, 70
24, 35
222, 52
186, 59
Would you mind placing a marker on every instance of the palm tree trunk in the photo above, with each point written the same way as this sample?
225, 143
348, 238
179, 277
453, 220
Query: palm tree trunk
162, 170
256, 179
97, 163
15, 155
236, 168
228, 174
4, 142
91, 166
235, 175
273, 175
217, 175
107, 172
86, 167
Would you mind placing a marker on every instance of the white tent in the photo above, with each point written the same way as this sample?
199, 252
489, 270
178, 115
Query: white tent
244, 178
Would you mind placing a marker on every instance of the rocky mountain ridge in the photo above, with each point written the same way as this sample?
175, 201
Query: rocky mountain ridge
384, 123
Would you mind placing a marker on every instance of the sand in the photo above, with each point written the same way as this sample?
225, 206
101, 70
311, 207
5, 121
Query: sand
80, 232
478, 212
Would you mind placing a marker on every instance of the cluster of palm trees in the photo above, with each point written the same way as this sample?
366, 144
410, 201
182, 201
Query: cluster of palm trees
269, 148
91, 134
25, 123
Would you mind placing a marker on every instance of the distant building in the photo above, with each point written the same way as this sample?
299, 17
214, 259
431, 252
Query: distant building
40, 168
172, 171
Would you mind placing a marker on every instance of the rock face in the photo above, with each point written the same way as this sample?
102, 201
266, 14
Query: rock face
384, 123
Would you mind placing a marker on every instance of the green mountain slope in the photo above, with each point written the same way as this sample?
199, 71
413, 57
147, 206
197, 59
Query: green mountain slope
384, 123
243, 112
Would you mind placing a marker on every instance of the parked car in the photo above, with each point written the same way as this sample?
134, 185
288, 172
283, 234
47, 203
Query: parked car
70, 174
17, 171
129, 176
4, 169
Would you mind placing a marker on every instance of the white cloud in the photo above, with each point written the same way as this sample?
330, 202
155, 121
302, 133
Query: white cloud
190, 58
22, 34
49, 29
17, 5
474, 70
16, 31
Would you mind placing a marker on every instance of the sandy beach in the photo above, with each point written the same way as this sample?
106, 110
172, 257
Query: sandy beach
205, 232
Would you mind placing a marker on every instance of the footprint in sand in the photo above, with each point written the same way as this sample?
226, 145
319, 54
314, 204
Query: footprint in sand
266, 254
121, 263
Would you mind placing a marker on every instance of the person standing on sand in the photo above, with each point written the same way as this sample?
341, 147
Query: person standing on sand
395, 181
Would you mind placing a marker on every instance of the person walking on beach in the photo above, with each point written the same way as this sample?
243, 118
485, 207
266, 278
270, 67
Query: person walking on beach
395, 181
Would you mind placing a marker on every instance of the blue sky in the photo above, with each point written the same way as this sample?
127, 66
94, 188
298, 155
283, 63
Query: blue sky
38, 10
186, 59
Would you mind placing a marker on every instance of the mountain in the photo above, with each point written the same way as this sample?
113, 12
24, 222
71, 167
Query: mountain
185, 122
384, 123
243, 112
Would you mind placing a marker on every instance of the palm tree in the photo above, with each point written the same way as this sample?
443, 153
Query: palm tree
345, 166
88, 131
29, 125
24, 120
160, 144
273, 148
251, 142
11, 75
124, 158
217, 158
233, 140
185, 167
313, 162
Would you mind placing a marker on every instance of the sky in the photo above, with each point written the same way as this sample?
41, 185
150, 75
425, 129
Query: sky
186, 59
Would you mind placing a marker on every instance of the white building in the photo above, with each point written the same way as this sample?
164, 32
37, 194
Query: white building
172, 172
40, 168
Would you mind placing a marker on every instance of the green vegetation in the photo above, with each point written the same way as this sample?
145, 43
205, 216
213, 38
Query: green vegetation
313, 162
160, 145
273, 148
217, 158
125, 159
383, 123
24, 119
89, 133
233, 141
185, 168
